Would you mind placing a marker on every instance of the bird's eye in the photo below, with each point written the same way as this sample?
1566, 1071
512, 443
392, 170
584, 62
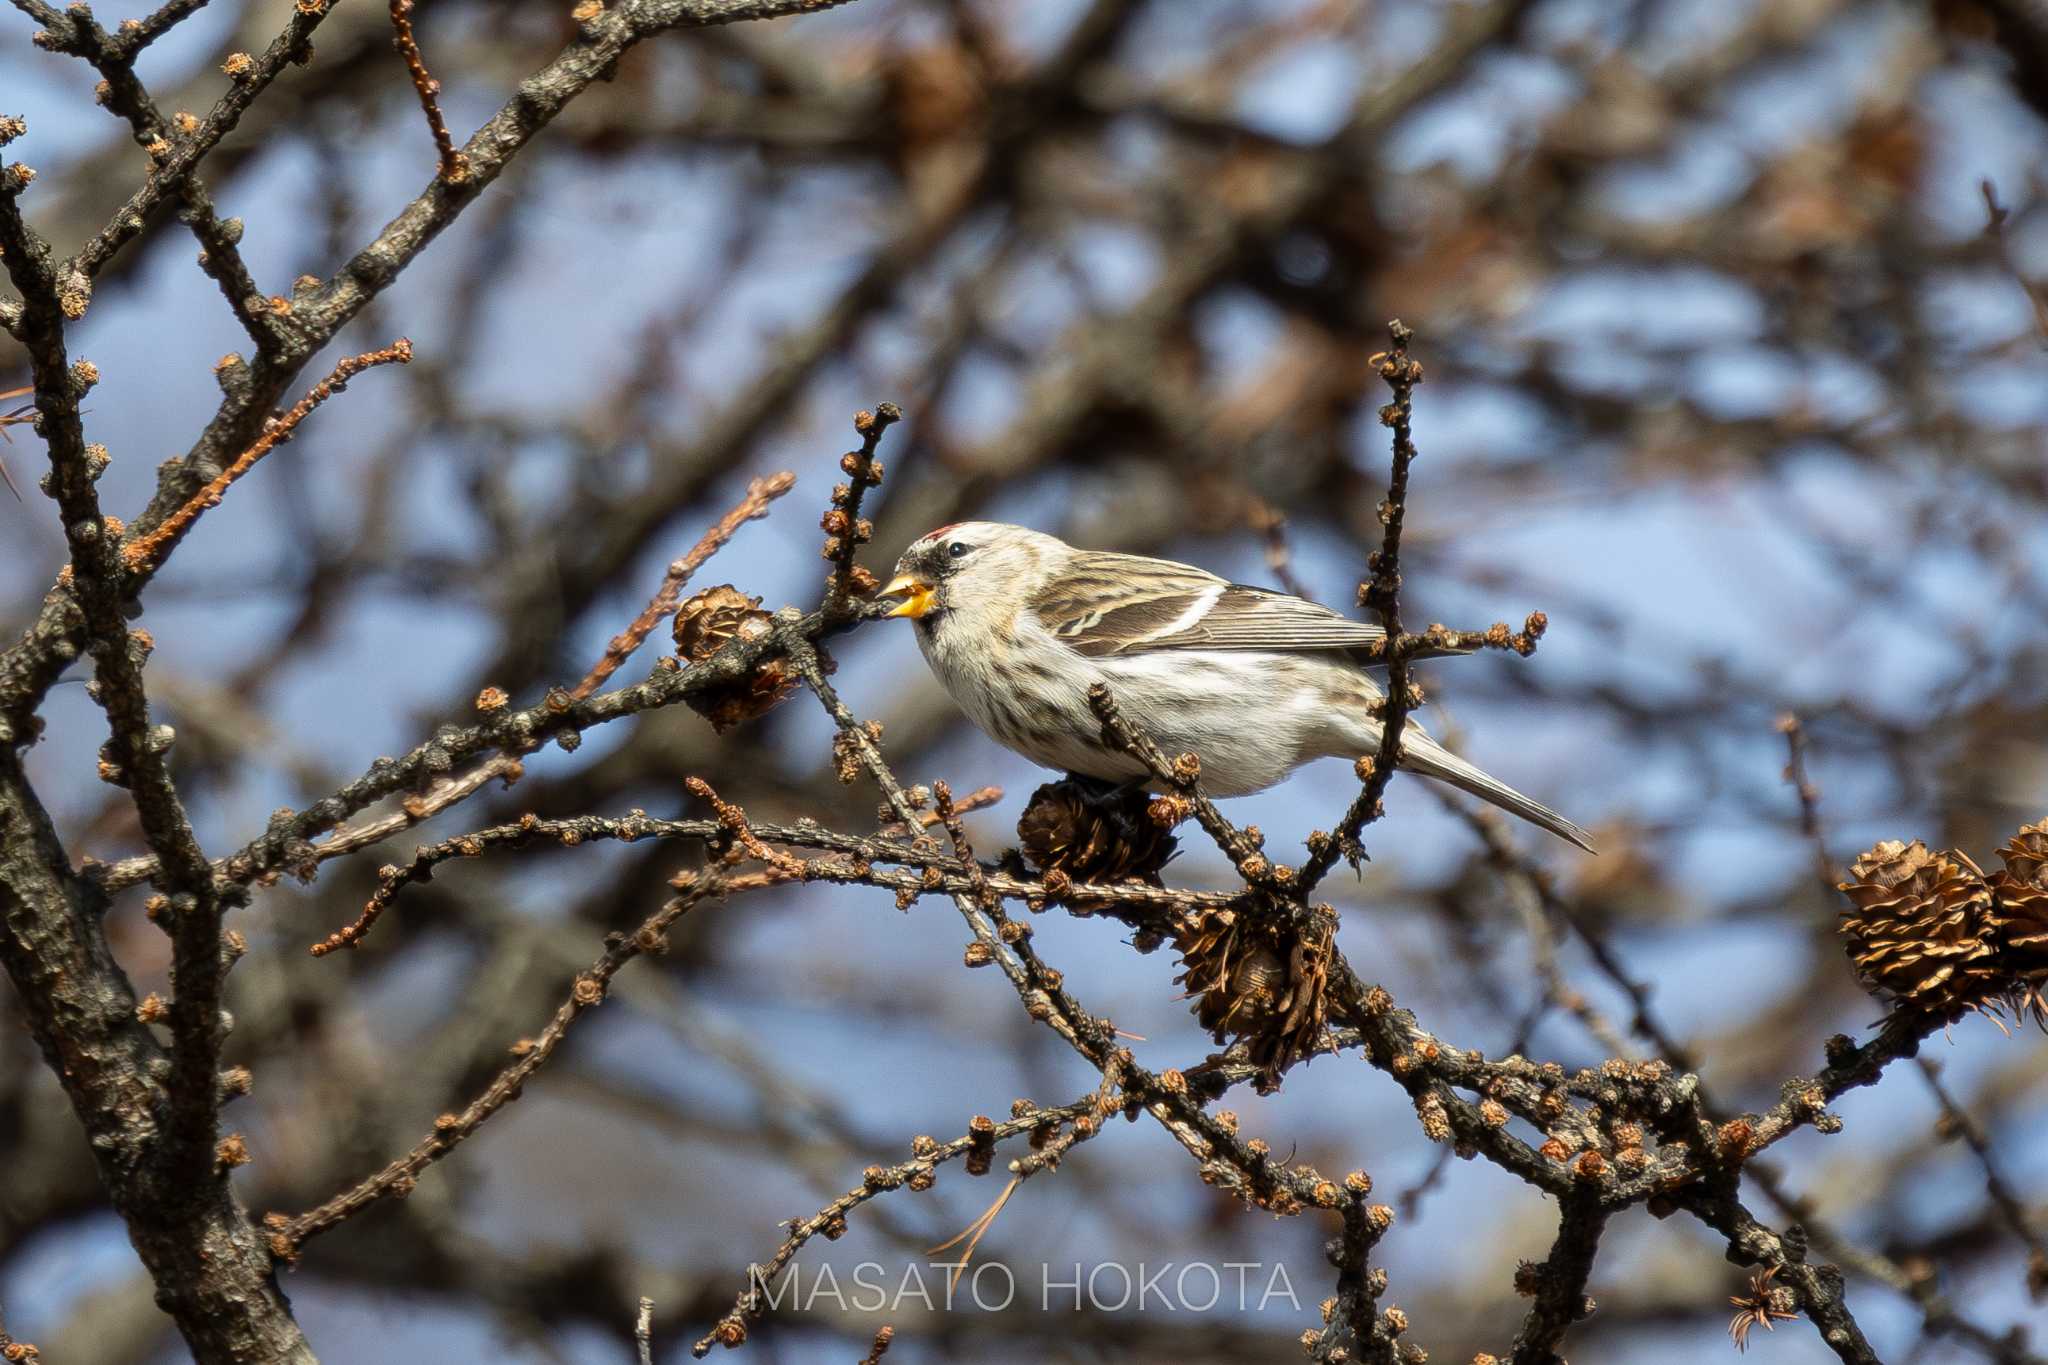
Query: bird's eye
958, 549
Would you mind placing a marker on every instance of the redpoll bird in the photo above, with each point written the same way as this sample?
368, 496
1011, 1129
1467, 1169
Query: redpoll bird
1018, 625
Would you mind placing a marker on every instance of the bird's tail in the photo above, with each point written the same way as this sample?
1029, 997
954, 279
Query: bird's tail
1421, 754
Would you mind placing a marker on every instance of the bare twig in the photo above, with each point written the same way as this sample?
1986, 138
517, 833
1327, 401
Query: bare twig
1994, 228
735, 829
855, 860
1271, 524
454, 165
288, 1235
14, 418
883, 1336
173, 174
1816, 1289
760, 494
2011, 1209
1794, 730
145, 552
139, 34
175, 146
977, 799
846, 530
1382, 593
414, 810
916, 1173
287, 843
1183, 775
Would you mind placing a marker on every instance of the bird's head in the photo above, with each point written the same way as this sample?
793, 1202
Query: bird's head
970, 565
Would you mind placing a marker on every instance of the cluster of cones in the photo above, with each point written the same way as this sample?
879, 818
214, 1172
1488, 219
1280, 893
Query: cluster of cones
1251, 977
1933, 932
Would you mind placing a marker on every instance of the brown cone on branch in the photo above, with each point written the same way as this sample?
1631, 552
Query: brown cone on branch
1254, 980
704, 625
2019, 894
2025, 855
1094, 835
1919, 928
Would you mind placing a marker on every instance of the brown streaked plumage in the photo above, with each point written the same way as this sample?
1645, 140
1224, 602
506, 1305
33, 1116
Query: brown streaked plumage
1018, 625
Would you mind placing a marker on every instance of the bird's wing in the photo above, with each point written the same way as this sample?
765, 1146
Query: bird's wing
1105, 604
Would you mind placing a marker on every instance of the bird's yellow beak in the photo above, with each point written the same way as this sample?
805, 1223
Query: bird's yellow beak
918, 596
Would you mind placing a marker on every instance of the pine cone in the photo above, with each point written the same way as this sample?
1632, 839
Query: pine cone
1093, 833
2020, 918
2025, 855
1238, 983
1920, 927
1252, 983
705, 624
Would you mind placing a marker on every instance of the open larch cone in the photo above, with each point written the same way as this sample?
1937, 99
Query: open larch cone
2019, 893
1259, 982
1919, 927
705, 624
1094, 833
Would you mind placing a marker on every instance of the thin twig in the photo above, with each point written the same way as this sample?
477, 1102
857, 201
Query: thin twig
1382, 593
732, 822
130, 41
287, 840
454, 165
761, 493
1047, 1156
846, 530
1183, 775
883, 1336
14, 418
175, 174
852, 860
174, 146
2009, 1205
977, 799
141, 554
415, 810
830, 1220
1994, 228
1271, 524
949, 816
1794, 731
289, 1235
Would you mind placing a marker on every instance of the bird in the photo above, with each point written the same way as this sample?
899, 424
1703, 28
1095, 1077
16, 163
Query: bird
1017, 625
